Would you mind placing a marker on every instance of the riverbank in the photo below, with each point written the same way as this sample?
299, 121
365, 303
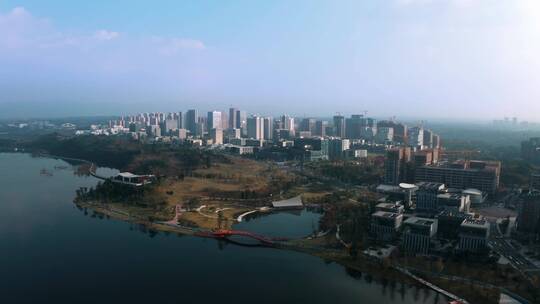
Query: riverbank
376, 269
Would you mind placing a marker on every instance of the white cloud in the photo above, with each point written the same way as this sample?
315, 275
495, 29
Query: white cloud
106, 35
170, 46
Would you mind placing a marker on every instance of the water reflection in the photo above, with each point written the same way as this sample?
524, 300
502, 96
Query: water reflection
66, 254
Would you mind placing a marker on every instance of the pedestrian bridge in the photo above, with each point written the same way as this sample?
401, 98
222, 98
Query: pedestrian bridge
224, 234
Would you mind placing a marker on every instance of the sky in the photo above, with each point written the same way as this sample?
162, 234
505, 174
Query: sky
456, 59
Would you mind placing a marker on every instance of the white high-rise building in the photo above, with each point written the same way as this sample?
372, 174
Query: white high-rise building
416, 137
213, 120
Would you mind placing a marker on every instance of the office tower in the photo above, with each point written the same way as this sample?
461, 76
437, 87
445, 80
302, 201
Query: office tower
320, 128
307, 125
339, 125
314, 148
368, 133
216, 134
436, 141
232, 133
154, 131
288, 124
169, 126
400, 130
179, 119
416, 137
384, 135
353, 126
337, 148
182, 134
233, 118
418, 234
241, 120
473, 235
224, 120
192, 117
481, 175
396, 165
255, 127
428, 139
268, 128
528, 219
213, 120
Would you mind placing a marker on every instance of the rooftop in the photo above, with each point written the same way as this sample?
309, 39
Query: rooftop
476, 223
291, 202
385, 214
429, 186
419, 221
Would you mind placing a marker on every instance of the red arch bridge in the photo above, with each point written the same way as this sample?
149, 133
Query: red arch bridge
223, 234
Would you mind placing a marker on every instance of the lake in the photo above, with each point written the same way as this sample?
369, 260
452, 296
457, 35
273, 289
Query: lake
52, 252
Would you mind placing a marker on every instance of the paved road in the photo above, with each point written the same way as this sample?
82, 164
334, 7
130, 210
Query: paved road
503, 247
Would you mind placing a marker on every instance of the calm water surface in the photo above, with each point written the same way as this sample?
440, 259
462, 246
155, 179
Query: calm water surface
51, 252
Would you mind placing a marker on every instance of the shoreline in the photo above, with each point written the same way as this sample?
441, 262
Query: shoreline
362, 264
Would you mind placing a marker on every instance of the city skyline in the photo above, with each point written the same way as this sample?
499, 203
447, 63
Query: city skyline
411, 58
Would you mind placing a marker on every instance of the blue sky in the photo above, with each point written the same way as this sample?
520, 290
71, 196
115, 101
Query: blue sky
409, 58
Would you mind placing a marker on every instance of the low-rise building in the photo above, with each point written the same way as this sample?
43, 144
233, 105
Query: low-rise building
390, 207
473, 235
449, 222
241, 150
457, 201
385, 225
418, 233
426, 196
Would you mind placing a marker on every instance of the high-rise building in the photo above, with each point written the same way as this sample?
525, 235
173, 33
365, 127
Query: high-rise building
216, 135
416, 137
320, 128
224, 120
241, 120
528, 219
288, 124
339, 125
396, 165
400, 130
307, 125
169, 126
384, 135
337, 148
192, 117
314, 148
268, 128
213, 120
233, 118
255, 127
428, 139
353, 125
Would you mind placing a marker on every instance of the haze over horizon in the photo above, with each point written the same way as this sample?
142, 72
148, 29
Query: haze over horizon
458, 59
